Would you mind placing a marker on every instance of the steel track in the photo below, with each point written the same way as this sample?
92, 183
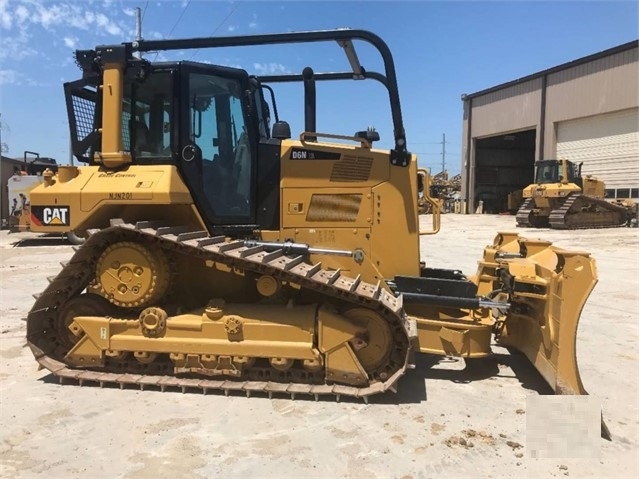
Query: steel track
523, 214
561, 219
49, 349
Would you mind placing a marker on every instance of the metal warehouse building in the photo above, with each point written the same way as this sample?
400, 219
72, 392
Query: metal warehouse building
585, 111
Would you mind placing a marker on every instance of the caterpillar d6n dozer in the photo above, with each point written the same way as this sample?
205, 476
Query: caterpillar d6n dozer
223, 254
561, 198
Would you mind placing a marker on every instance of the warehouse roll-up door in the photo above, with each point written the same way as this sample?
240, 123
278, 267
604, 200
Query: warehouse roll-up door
607, 144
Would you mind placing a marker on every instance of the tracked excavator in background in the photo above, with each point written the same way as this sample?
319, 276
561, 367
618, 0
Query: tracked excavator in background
222, 254
561, 198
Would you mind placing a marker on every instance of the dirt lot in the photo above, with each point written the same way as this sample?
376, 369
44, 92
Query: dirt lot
449, 419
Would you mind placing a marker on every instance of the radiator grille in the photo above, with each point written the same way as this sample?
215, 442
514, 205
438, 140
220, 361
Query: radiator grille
352, 168
334, 208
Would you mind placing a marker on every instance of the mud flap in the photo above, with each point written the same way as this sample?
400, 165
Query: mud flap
548, 288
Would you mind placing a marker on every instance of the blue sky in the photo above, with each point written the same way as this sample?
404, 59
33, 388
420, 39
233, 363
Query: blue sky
441, 50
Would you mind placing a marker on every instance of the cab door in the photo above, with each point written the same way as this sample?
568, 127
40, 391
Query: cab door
217, 145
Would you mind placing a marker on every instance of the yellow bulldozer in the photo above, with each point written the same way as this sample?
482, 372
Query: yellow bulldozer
224, 254
561, 198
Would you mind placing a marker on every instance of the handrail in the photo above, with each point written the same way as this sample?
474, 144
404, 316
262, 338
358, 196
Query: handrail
399, 155
306, 135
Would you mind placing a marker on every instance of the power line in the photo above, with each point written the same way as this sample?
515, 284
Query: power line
179, 18
144, 11
431, 143
217, 28
175, 25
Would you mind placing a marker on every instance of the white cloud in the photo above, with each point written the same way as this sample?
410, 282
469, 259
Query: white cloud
12, 77
270, 68
22, 14
103, 22
32, 82
70, 42
253, 22
17, 46
153, 35
5, 15
8, 77
49, 15
130, 12
24, 21
232, 28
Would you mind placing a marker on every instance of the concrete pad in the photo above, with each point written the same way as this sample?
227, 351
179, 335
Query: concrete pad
450, 418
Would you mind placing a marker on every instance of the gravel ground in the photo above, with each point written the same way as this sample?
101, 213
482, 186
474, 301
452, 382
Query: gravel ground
450, 418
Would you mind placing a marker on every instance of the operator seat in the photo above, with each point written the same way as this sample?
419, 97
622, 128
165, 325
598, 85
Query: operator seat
142, 138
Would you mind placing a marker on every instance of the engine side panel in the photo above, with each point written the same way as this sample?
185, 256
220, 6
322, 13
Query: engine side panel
79, 198
348, 197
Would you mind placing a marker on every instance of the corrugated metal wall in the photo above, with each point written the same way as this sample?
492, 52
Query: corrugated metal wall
607, 144
510, 109
603, 85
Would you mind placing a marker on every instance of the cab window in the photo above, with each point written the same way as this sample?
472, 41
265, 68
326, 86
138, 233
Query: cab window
147, 112
217, 127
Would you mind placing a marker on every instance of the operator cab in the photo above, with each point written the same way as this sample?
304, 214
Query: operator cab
211, 122
213, 142
207, 120
551, 171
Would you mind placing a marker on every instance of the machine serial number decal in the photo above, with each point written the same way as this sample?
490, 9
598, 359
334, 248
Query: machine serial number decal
51, 215
120, 196
326, 236
116, 175
305, 154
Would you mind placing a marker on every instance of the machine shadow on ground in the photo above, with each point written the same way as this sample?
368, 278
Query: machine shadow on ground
498, 365
411, 389
43, 240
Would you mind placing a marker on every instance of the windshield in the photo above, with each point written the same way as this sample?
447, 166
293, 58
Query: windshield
547, 172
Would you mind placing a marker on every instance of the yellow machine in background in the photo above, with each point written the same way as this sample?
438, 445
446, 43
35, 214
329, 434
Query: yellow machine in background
445, 191
225, 254
24, 179
19, 188
561, 198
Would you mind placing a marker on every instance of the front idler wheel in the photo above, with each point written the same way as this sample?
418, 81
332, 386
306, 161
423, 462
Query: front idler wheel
132, 275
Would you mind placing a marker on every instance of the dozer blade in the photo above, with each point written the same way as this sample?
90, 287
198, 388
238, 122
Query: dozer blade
548, 288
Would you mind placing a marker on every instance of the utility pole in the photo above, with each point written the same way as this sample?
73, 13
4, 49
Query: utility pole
443, 152
138, 28
4, 148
